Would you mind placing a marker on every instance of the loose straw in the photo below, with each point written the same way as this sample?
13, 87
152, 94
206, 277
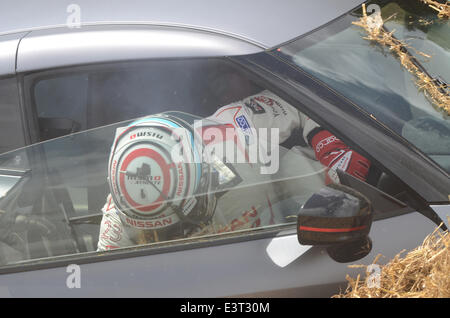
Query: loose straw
374, 27
421, 273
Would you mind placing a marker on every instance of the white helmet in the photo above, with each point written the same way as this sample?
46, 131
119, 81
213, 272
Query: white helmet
156, 174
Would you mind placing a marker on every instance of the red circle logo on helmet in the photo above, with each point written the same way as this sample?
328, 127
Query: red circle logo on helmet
141, 173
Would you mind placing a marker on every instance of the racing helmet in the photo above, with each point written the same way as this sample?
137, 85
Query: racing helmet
157, 176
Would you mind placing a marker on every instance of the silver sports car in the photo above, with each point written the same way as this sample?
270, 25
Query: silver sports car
74, 72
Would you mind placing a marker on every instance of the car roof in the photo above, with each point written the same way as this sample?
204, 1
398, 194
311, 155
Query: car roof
265, 23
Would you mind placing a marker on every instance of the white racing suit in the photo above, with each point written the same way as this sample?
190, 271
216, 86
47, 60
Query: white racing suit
255, 200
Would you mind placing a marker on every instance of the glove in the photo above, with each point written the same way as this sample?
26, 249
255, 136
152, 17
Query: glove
335, 154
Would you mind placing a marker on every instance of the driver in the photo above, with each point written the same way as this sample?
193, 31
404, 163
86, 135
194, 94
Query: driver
173, 175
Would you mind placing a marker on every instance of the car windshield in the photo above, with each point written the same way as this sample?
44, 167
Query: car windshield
390, 58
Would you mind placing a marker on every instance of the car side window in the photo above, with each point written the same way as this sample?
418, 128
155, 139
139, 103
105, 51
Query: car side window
67, 202
89, 97
61, 105
70, 101
11, 131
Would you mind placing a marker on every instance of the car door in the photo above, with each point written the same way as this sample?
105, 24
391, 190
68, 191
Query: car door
71, 115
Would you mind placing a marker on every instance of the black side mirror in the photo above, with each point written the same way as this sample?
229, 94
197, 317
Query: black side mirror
338, 217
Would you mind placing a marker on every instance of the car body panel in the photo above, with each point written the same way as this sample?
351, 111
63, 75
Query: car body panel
265, 23
8, 50
95, 44
237, 269
444, 213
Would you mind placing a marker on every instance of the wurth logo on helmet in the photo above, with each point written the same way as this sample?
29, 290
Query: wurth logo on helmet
146, 134
324, 142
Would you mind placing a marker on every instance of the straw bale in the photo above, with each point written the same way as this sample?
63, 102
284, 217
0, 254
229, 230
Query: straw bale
421, 273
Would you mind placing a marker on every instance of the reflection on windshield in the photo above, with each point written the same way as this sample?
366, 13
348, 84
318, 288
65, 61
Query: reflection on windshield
374, 78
